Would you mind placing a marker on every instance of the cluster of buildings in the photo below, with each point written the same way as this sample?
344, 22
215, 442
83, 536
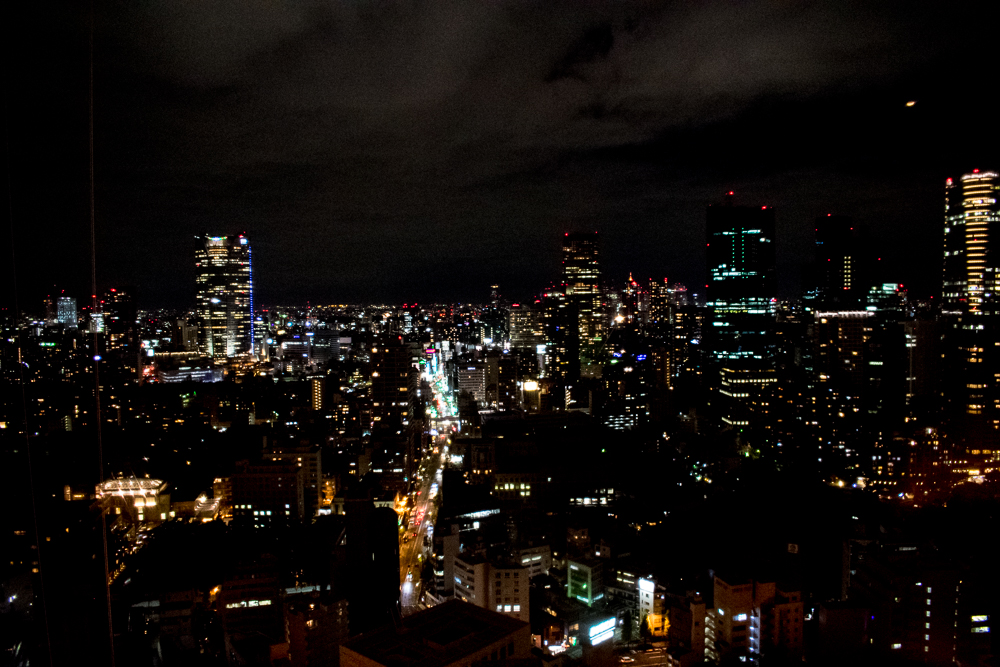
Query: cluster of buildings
452, 484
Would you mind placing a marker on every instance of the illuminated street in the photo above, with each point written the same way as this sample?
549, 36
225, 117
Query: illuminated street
416, 540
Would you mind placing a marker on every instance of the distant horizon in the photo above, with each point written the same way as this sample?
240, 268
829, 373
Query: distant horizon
387, 156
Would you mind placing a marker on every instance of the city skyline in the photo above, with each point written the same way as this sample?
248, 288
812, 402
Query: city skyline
451, 334
190, 135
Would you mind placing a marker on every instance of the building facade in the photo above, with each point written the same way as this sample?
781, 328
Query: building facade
581, 276
742, 291
970, 271
224, 295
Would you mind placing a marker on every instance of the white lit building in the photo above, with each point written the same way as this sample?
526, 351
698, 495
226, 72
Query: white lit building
498, 587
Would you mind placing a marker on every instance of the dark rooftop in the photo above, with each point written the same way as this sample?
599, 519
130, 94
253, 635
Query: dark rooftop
440, 635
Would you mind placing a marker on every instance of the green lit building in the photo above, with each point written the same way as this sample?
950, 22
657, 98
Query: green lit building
742, 303
584, 580
741, 288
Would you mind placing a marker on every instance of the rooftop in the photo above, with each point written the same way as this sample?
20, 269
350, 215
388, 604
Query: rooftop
131, 486
435, 637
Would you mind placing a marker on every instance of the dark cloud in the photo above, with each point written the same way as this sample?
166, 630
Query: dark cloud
424, 149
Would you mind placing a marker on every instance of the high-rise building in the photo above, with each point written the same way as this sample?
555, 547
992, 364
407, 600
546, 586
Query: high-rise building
742, 288
527, 326
840, 280
66, 312
394, 382
224, 281
561, 350
581, 276
472, 379
308, 457
120, 320
971, 281
268, 494
742, 302
51, 314
971, 270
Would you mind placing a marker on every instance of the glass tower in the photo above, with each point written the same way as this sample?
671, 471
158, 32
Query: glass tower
66, 312
741, 288
224, 283
581, 284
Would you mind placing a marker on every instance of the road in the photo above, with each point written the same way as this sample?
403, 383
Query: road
651, 658
411, 549
441, 412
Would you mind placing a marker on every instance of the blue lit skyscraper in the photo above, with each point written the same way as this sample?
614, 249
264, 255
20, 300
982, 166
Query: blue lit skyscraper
224, 283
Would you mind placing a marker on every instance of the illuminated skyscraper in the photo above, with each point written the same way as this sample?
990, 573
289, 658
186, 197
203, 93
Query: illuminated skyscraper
224, 282
66, 312
970, 286
741, 288
971, 270
120, 320
742, 304
581, 285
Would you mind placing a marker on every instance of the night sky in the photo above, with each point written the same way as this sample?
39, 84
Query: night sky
415, 151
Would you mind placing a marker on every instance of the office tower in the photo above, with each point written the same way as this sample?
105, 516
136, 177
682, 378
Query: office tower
268, 494
840, 283
635, 302
224, 283
742, 306
741, 288
472, 379
309, 458
970, 268
120, 320
526, 326
840, 339
561, 350
660, 297
394, 382
66, 312
51, 313
581, 285
499, 380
